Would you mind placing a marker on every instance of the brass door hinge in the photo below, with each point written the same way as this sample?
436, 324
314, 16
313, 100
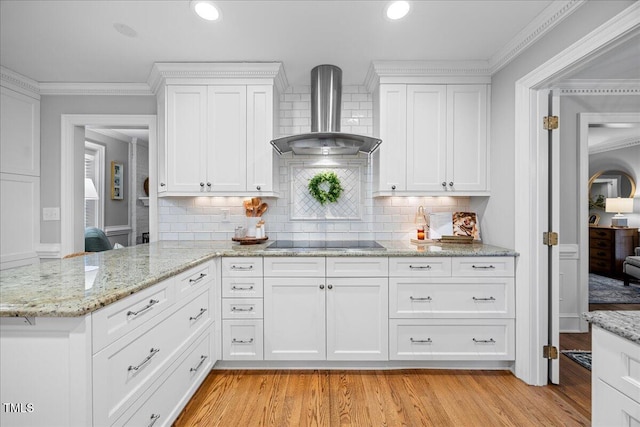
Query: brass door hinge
549, 352
550, 238
550, 122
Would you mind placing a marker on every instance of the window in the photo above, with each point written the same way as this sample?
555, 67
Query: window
94, 155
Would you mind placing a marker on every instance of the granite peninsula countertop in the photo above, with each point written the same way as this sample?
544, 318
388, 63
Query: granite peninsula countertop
625, 324
76, 286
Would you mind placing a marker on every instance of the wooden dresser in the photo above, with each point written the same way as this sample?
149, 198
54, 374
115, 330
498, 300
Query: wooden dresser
608, 247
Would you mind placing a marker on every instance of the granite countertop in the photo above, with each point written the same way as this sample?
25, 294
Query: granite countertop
625, 324
77, 286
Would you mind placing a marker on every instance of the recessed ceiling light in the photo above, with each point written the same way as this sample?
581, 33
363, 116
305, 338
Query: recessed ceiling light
397, 9
205, 9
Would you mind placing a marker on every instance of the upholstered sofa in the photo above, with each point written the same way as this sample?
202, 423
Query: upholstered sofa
631, 267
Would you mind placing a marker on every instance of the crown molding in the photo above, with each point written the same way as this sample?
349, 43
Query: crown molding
396, 71
581, 87
551, 16
161, 71
19, 83
614, 144
119, 89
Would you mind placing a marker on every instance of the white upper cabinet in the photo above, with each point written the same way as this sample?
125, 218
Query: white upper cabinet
434, 131
217, 121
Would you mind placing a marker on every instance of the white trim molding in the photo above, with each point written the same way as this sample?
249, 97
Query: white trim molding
48, 251
615, 144
117, 230
176, 71
582, 87
532, 311
569, 251
117, 89
19, 83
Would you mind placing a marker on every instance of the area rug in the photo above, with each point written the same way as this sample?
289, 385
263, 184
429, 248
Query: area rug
604, 290
581, 356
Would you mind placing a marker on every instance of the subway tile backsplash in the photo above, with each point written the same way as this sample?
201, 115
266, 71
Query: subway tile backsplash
388, 218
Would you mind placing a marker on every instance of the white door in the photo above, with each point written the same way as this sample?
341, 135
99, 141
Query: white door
227, 142
466, 138
357, 318
186, 138
260, 153
294, 318
426, 137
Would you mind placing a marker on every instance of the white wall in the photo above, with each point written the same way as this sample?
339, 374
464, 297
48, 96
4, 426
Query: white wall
52, 108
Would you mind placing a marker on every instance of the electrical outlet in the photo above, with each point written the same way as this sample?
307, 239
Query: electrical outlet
225, 215
51, 214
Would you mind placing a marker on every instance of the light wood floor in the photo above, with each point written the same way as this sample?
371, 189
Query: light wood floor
395, 398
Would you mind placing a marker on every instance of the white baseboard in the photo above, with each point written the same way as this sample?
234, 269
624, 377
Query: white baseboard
48, 250
117, 230
570, 323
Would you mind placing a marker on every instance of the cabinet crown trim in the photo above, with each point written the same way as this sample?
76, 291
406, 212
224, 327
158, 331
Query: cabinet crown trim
230, 70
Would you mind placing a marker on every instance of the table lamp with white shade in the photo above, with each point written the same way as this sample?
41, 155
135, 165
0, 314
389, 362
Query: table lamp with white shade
619, 205
90, 192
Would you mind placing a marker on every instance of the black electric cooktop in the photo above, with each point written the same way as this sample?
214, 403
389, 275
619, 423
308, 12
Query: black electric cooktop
310, 245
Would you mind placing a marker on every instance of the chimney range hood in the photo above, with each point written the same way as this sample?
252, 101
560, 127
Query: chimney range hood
325, 137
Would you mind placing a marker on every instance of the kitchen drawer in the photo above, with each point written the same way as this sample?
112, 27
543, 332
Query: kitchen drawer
457, 339
194, 279
242, 340
612, 408
451, 298
294, 266
420, 266
242, 267
357, 266
165, 400
116, 320
600, 244
242, 287
618, 362
483, 266
123, 370
242, 308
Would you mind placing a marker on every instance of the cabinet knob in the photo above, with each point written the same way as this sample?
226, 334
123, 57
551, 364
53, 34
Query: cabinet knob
202, 184
393, 187
209, 184
258, 188
321, 286
444, 184
162, 184
330, 286
451, 184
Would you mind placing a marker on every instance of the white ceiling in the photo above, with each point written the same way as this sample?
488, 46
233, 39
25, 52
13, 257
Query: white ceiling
75, 41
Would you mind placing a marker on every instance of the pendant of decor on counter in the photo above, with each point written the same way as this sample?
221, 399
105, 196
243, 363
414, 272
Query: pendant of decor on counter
332, 194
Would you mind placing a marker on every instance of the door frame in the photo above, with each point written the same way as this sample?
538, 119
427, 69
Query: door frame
68, 218
531, 308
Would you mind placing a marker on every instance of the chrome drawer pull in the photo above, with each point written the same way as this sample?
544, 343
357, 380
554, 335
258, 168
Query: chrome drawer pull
235, 267
420, 267
420, 299
202, 359
202, 310
153, 352
489, 341
483, 267
427, 341
241, 309
197, 279
484, 299
152, 302
154, 418
240, 288
235, 341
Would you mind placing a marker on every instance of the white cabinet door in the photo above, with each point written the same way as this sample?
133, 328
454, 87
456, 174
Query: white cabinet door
393, 131
294, 318
466, 137
186, 138
357, 318
260, 153
426, 137
227, 147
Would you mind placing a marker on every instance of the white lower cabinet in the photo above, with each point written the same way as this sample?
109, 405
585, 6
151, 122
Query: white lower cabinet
242, 339
331, 317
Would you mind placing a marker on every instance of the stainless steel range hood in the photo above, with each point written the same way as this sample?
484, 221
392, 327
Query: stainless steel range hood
325, 137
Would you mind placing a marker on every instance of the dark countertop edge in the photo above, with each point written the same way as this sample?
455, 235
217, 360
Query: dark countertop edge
604, 320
